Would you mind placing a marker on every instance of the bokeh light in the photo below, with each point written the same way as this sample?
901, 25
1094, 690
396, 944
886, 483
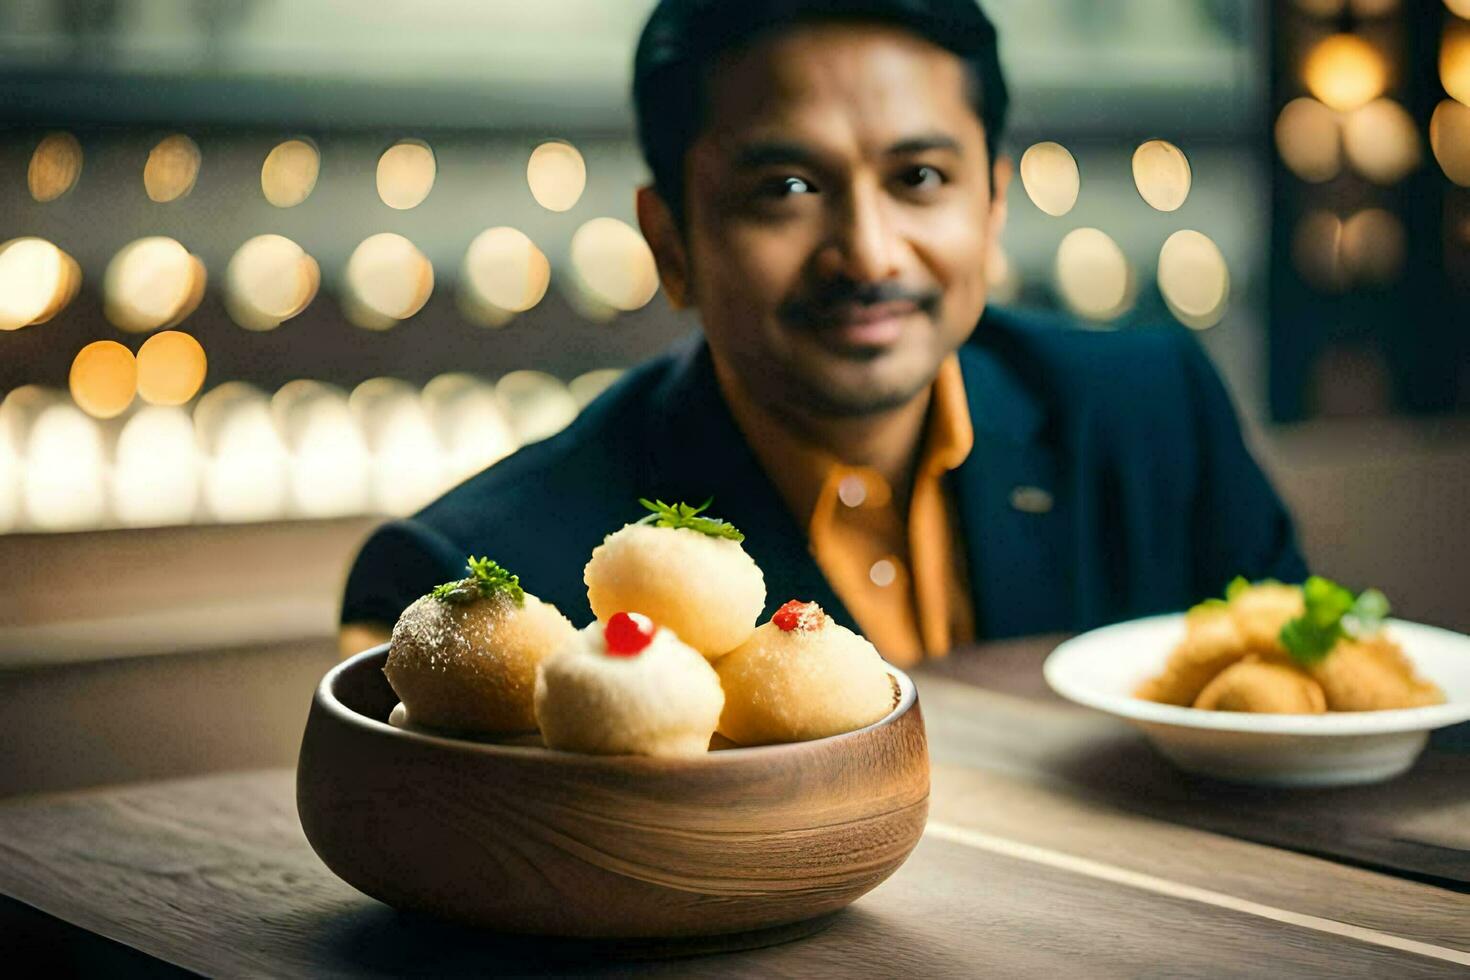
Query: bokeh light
586, 387
1309, 140
65, 481
155, 473
1454, 61
104, 379
557, 175
1194, 279
1460, 8
37, 281
614, 264
1345, 72
1049, 174
289, 173
245, 473
329, 459
1317, 251
55, 166
407, 467
406, 172
150, 283
1093, 275
1382, 141
1162, 175
171, 368
172, 169
10, 475
538, 405
269, 280
504, 271
470, 423
1373, 247
389, 278
1449, 136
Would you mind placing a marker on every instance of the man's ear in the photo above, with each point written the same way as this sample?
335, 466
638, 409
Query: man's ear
1000, 177
662, 235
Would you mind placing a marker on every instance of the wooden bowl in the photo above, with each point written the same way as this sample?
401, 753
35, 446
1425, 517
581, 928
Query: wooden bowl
530, 840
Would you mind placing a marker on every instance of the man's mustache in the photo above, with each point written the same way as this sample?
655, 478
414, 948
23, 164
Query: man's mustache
835, 301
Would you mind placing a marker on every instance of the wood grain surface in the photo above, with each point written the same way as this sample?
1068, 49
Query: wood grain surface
214, 875
989, 709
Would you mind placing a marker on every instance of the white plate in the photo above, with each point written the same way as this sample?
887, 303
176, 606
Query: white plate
1102, 668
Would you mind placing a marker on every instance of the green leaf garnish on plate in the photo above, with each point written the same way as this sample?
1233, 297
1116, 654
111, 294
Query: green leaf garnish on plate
1332, 613
687, 517
486, 579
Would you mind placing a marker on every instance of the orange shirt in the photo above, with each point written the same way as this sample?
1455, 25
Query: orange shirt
905, 582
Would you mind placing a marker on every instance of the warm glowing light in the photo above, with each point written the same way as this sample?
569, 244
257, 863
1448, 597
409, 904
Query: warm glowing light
104, 379
1373, 246
1345, 72
269, 280
586, 387
1309, 141
471, 425
1194, 279
37, 281
10, 476
557, 175
614, 264
1093, 275
171, 368
406, 174
407, 468
504, 270
329, 460
55, 166
151, 283
1460, 8
289, 173
172, 169
1382, 141
1049, 174
1161, 173
64, 485
155, 475
245, 476
1454, 61
1449, 135
538, 404
1317, 250
389, 278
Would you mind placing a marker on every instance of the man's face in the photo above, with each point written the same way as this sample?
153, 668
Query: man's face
838, 217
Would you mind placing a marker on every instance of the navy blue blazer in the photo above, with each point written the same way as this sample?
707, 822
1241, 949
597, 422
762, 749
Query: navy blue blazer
1155, 503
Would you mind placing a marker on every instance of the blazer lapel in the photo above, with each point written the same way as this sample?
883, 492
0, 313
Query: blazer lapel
1013, 507
697, 451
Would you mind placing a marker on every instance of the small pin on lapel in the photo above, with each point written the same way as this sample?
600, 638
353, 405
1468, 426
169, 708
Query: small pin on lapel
1031, 500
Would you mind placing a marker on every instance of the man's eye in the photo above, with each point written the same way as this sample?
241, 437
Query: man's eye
922, 178
781, 188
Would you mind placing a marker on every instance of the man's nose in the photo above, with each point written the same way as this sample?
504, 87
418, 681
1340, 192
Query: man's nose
863, 245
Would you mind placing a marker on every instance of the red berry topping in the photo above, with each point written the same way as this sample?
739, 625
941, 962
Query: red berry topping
628, 634
798, 615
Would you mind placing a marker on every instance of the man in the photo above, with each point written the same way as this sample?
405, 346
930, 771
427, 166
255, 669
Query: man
826, 190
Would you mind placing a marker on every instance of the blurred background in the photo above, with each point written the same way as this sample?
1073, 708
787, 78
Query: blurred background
275, 270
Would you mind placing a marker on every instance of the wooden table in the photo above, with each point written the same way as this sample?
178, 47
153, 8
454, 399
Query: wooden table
1058, 845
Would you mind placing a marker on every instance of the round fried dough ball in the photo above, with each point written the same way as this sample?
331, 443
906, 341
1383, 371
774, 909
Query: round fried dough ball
706, 589
1265, 687
1261, 610
802, 676
1211, 643
1372, 674
470, 666
660, 699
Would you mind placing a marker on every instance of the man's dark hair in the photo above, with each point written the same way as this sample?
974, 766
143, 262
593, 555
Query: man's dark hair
683, 38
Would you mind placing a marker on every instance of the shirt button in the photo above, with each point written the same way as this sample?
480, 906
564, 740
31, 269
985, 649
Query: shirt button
852, 490
883, 573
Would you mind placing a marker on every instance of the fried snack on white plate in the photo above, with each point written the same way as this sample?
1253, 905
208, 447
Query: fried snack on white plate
802, 676
628, 687
1212, 642
1260, 611
685, 572
1372, 674
463, 658
1263, 686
